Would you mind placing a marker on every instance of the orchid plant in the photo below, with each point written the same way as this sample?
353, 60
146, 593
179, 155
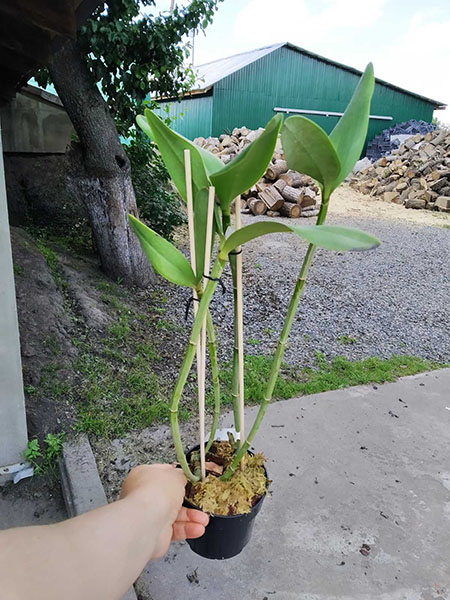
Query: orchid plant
199, 175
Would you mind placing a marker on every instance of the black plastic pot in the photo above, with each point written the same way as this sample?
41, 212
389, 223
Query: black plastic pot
225, 536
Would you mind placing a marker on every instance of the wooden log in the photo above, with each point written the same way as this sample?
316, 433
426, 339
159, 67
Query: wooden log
257, 206
310, 213
292, 178
243, 205
276, 169
279, 185
273, 213
251, 193
261, 186
291, 194
271, 197
307, 201
290, 209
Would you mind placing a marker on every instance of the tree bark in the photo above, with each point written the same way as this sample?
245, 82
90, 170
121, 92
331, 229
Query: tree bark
101, 170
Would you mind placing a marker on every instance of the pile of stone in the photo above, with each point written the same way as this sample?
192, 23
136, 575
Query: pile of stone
416, 175
390, 139
281, 192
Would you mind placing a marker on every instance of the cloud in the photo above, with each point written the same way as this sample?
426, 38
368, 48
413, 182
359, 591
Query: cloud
299, 21
418, 59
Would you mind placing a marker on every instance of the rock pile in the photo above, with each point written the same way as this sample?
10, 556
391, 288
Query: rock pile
416, 175
281, 192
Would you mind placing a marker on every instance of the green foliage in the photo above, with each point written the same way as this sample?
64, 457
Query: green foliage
158, 205
165, 258
53, 262
133, 52
18, 269
325, 376
330, 237
172, 147
308, 149
347, 339
329, 159
349, 135
44, 460
248, 167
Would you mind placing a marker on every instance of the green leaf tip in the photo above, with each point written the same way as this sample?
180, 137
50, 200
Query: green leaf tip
248, 167
167, 260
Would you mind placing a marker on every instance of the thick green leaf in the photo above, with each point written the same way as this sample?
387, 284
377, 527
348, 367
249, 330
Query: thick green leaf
213, 164
350, 133
330, 237
249, 232
143, 124
167, 260
248, 167
333, 237
172, 146
308, 149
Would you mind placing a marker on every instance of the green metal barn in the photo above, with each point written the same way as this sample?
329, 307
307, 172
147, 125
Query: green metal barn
249, 88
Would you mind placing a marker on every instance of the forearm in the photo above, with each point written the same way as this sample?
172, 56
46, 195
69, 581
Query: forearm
95, 556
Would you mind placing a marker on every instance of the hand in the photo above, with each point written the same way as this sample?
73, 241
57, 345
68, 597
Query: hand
161, 488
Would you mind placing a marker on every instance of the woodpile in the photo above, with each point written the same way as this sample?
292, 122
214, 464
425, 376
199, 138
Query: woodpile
281, 192
416, 175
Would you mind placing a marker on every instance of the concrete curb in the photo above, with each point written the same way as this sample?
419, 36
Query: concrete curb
80, 482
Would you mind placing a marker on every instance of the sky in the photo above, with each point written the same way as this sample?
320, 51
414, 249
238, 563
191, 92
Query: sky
408, 41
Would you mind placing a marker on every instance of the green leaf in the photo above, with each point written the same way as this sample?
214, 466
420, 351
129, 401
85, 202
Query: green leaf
350, 133
167, 260
248, 167
333, 237
143, 124
172, 146
213, 164
308, 149
330, 237
249, 232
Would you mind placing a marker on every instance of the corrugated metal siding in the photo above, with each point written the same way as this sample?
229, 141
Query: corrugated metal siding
192, 115
289, 79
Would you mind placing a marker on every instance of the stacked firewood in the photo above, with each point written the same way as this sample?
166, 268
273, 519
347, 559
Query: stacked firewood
281, 192
416, 175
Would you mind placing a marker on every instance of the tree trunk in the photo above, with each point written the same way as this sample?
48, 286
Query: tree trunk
101, 172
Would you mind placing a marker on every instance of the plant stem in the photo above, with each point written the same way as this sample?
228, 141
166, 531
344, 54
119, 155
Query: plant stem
235, 377
215, 378
276, 363
187, 364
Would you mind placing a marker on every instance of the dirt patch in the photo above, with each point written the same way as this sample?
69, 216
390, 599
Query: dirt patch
45, 334
348, 202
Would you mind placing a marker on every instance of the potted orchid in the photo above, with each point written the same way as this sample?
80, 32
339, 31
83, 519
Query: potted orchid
225, 479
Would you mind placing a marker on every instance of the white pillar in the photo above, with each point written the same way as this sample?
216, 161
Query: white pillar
13, 427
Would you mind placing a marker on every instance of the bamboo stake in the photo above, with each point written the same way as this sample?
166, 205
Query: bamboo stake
199, 349
240, 324
202, 370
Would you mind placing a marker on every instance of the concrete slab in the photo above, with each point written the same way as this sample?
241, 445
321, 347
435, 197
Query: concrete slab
30, 502
360, 506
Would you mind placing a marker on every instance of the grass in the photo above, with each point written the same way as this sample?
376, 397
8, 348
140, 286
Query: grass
118, 389
347, 339
327, 375
53, 262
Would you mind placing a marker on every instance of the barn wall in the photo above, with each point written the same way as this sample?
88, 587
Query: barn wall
192, 115
290, 79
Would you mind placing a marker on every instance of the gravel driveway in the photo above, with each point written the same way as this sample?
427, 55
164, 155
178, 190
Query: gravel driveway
392, 300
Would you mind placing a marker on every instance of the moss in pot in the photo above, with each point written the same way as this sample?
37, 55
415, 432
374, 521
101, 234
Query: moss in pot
224, 478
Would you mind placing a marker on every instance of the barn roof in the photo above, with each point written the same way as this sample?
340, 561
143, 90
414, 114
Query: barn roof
212, 72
